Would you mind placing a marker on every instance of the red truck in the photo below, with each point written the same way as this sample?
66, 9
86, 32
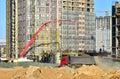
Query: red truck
77, 61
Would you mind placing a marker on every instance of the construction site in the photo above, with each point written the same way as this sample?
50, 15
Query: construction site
57, 39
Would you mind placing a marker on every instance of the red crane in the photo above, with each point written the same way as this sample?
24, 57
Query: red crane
36, 33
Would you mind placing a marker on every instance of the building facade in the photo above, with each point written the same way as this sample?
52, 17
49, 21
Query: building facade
2, 48
30, 14
116, 29
11, 28
104, 34
90, 33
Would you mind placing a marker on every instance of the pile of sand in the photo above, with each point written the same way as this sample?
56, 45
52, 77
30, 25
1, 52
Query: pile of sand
84, 72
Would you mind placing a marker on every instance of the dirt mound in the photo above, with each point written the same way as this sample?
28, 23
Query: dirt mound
84, 72
84, 76
90, 70
45, 73
115, 76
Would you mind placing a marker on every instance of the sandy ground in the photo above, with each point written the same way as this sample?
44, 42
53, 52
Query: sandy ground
84, 72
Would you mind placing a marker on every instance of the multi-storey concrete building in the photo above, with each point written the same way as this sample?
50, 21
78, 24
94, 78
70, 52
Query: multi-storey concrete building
104, 34
11, 28
116, 29
2, 48
30, 14
89, 26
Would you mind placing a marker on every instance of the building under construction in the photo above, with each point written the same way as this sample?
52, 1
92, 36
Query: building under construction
116, 29
11, 28
24, 17
104, 34
2, 48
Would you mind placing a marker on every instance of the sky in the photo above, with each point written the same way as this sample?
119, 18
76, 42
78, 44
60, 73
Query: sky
100, 5
2, 19
103, 5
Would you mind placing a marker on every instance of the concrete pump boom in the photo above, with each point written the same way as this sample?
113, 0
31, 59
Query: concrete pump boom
36, 33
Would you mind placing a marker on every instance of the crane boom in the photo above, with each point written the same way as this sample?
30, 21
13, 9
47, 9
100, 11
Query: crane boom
36, 33
106, 12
